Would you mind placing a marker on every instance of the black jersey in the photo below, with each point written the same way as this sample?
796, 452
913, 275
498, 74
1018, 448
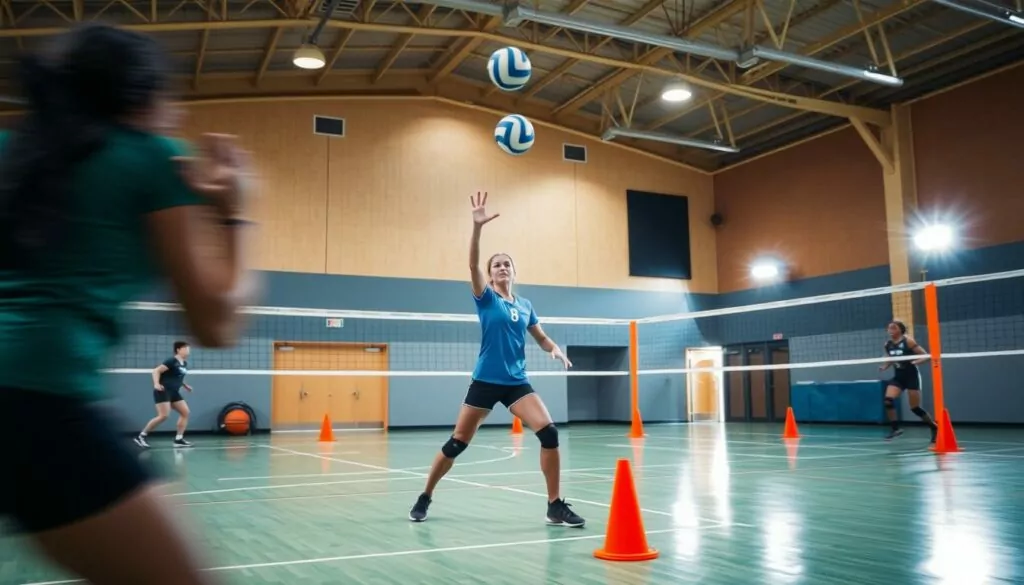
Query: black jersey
897, 349
174, 377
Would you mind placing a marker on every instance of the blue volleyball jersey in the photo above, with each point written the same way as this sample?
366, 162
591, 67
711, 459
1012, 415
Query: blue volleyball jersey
503, 326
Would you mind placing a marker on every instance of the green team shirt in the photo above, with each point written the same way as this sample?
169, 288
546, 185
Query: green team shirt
57, 326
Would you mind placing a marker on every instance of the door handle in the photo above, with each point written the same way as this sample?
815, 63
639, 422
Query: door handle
303, 394
356, 394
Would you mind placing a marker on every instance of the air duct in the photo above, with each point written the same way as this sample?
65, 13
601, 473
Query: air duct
612, 133
516, 13
997, 14
758, 52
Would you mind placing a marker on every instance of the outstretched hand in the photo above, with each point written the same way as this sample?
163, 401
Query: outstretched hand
219, 171
558, 355
480, 216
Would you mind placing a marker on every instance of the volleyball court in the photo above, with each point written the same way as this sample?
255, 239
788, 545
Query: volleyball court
366, 371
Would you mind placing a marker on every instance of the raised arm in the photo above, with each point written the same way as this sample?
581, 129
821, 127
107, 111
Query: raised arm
480, 217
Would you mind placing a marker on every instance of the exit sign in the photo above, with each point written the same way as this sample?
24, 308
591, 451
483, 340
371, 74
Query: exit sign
335, 323
776, 336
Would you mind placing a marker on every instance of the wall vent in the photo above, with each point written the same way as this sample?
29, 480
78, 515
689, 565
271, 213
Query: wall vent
344, 7
326, 126
574, 153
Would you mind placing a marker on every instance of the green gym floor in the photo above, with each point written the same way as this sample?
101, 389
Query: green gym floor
724, 504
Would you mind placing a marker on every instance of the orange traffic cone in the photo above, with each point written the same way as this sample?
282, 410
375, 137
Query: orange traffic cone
326, 432
517, 426
790, 432
945, 441
625, 539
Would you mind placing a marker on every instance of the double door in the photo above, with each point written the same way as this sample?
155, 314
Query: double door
757, 395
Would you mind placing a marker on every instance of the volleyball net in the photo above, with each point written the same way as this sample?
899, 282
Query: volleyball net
412, 368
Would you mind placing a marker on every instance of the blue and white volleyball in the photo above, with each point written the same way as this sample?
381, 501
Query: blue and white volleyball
514, 134
509, 68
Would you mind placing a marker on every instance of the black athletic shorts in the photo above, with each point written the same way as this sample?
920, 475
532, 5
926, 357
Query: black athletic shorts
906, 381
67, 462
171, 395
486, 395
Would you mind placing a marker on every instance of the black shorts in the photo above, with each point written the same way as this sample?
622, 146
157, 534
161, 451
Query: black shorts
68, 462
171, 395
906, 381
485, 395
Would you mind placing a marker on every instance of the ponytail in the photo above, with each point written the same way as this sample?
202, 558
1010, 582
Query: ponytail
97, 76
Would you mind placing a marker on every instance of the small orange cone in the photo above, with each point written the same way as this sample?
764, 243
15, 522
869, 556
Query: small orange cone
790, 432
945, 441
636, 426
326, 432
625, 539
517, 426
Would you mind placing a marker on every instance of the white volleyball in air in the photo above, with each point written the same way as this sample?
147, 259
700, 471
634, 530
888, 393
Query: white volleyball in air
514, 134
509, 68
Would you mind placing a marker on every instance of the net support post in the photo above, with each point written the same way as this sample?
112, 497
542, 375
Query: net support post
636, 425
899, 184
945, 441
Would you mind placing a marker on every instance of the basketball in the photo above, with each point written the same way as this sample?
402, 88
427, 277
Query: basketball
236, 422
514, 134
509, 68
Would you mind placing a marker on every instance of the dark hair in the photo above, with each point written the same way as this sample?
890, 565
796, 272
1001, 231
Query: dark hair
900, 324
85, 85
179, 344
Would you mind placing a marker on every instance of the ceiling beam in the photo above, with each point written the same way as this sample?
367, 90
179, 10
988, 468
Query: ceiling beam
422, 17
870, 115
609, 82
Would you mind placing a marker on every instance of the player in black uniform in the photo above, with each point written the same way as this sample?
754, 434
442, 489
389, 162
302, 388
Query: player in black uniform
906, 377
168, 380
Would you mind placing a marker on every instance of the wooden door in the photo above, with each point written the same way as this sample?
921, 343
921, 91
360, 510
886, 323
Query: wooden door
780, 382
702, 387
300, 400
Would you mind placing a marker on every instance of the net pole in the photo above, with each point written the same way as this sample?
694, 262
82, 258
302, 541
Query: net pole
636, 426
931, 305
945, 440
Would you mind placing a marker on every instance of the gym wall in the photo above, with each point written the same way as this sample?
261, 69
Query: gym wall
820, 206
380, 220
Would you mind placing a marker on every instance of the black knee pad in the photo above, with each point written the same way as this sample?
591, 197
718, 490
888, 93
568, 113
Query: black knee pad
920, 412
890, 403
548, 437
453, 448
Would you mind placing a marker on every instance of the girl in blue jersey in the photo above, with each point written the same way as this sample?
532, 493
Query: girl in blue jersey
96, 202
500, 374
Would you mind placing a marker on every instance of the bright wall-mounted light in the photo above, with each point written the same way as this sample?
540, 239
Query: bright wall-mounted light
934, 238
766, 269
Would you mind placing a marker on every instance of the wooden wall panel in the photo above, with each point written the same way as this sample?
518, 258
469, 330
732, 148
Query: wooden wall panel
820, 207
968, 152
292, 163
392, 197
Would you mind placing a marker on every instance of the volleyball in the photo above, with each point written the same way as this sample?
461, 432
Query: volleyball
509, 68
514, 134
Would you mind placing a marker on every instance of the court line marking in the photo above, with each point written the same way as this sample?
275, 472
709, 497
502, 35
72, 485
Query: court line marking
515, 452
383, 493
813, 436
797, 472
716, 440
418, 551
684, 450
484, 485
